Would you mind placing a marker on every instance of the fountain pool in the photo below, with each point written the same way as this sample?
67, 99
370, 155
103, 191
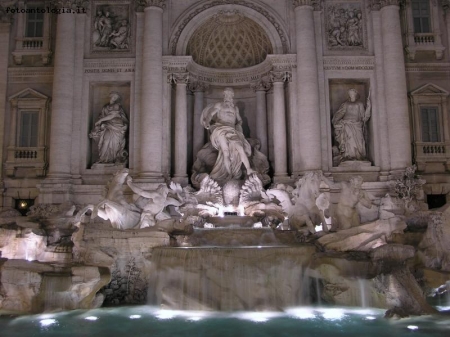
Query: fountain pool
151, 321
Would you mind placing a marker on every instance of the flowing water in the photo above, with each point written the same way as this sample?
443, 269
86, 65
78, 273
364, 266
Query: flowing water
229, 279
149, 321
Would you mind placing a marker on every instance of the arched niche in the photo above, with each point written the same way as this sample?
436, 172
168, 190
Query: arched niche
192, 19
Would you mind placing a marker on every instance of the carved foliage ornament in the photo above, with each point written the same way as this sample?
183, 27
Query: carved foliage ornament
142, 4
280, 76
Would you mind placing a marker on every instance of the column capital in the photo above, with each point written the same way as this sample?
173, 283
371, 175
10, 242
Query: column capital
280, 76
261, 85
178, 78
376, 5
198, 86
142, 4
315, 4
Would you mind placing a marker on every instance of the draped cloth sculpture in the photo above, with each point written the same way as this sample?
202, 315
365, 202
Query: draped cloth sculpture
110, 131
229, 155
349, 128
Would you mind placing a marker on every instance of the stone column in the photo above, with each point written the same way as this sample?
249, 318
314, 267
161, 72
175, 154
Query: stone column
63, 95
307, 86
446, 6
151, 126
5, 28
180, 131
261, 113
382, 128
395, 84
279, 125
198, 131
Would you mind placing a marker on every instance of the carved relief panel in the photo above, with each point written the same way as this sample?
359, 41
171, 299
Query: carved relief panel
111, 27
345, 25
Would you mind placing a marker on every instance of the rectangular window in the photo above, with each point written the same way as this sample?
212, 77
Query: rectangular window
421, 16
28, 136
35, 22
430, 124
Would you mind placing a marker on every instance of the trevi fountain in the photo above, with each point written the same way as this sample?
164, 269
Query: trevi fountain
229, 173
231, 242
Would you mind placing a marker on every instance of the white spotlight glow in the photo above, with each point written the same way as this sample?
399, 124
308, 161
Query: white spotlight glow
302, 313
135, 316
332, 314
91, 318
370, 318
47, 322
167, 314
412, 327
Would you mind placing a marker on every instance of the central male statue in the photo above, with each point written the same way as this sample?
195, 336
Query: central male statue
225, 124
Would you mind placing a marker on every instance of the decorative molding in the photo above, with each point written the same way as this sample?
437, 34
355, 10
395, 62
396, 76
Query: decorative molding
72, 4
280, 76
142, 4
376, 5
195, 86
30, 75
427, 67
178, 78
213, 3
176, 64
349, 63
109, 66
315, 4
284, 62
261, 85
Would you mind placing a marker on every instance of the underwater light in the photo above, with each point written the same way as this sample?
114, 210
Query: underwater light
332, 314
135, 316
370, 318
47, 321
412, 327
303, 313
258, 317
91, 318
166, 314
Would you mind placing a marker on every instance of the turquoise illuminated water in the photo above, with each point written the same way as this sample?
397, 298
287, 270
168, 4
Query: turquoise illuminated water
153, 322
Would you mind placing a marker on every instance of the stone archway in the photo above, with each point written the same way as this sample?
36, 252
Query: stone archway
189, 22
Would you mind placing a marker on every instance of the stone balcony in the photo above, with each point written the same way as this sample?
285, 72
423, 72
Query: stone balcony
32, 46
26, 157
432, 152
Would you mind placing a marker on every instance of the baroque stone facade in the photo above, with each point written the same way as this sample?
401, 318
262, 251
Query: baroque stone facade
290, 64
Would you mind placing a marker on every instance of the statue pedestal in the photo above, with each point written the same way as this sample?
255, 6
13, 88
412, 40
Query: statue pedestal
349, 169
107, 168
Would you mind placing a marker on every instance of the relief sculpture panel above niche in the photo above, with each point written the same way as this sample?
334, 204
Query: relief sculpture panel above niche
345, 25
111, 27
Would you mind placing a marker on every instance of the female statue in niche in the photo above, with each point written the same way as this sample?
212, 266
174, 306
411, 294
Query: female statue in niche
349, 124
110, 132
